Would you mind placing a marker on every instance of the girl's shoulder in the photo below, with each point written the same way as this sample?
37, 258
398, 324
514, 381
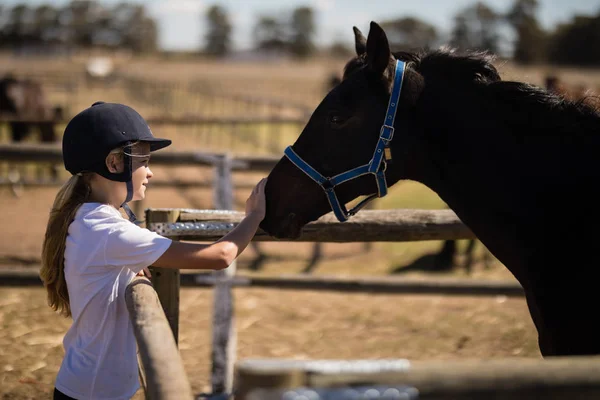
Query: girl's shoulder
93, 214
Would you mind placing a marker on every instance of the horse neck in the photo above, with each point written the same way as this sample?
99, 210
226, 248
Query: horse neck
500, 182
474, 135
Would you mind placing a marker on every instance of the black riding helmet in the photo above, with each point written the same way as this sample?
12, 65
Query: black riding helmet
93, 133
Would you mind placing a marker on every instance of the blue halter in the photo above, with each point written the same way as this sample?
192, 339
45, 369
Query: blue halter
375, 166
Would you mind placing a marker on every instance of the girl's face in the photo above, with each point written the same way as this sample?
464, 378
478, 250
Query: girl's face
141, 173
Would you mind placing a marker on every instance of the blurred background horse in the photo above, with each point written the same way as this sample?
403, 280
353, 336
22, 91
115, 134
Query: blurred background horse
25, 106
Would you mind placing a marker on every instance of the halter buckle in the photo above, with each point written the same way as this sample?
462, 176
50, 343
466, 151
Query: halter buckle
383, 133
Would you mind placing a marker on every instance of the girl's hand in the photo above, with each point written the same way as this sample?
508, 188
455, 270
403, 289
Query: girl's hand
256, 203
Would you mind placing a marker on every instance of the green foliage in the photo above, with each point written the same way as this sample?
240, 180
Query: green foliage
218, 40
477, 28
530, 47
78, 24
302, 32
409, 33
290, 33
576, 43
269, 34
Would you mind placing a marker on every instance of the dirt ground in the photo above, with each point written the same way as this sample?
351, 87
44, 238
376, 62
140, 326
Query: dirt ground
282, 324
270, 323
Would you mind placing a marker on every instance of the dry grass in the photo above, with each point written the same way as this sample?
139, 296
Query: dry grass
283, 324
298, 82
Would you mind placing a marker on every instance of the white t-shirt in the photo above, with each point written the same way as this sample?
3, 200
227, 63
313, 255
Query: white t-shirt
104, 251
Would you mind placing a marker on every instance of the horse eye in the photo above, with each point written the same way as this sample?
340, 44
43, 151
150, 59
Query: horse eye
336, 119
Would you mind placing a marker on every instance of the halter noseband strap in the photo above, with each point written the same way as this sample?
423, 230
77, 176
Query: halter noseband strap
375, 166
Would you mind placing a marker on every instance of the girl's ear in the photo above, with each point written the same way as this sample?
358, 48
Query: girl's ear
114, 163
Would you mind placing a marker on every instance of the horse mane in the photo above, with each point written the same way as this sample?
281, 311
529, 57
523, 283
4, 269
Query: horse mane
476, 69
443, 63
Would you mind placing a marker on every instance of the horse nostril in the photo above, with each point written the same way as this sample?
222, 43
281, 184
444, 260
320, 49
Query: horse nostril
289, 220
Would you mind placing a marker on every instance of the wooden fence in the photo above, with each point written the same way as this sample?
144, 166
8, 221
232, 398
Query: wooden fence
223, 166
246, 132
499, 379
52, 154
573, 378
205, 98
199, 97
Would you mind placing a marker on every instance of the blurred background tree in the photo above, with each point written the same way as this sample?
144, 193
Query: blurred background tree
409, 33
476, 28
302, 32
530, 46
218, 36
577, 42
89, 24
270, 34
293, 32
80, 24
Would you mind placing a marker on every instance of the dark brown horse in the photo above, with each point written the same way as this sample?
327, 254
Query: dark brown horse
25, 102
518, 165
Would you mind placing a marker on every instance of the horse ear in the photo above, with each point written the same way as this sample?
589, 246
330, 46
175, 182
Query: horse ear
360, 42
378, 49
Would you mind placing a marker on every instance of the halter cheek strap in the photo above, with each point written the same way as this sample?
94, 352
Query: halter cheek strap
376, 166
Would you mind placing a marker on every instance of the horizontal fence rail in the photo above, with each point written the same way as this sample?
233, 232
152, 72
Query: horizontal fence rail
211, 225
401, 225
429, 286
180, 184
176, 120
499, 379
444, 286
53, 153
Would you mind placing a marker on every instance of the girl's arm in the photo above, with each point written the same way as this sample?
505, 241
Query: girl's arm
219, 255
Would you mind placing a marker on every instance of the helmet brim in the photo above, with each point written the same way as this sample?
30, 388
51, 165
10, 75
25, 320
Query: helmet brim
157, 143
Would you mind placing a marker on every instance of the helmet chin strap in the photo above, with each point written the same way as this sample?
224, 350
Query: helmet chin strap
129, 184
125, 206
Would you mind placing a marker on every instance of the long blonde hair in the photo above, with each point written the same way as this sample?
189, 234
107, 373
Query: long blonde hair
69, 198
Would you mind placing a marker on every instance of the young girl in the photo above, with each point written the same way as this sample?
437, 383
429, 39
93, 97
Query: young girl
91, 252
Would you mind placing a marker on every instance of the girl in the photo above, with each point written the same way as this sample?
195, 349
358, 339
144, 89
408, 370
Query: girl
90, 252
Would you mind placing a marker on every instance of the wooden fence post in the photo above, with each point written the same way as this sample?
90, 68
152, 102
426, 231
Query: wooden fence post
166, 378
138, 209
165, 280
224, 333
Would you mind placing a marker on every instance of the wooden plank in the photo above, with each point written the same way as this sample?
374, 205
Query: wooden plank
27, 152
163, 369
242, 120
166, 280
381, 285
509, 378
398, 225
224, 334
177, 120
180, 184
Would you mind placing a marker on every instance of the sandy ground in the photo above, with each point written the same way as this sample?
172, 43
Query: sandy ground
283, 324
